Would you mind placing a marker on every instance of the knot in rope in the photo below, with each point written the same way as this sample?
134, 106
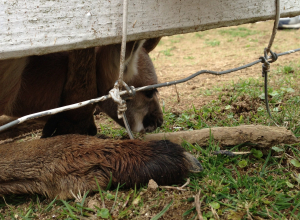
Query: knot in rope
273, 57
115, 95
266, 63
130, 90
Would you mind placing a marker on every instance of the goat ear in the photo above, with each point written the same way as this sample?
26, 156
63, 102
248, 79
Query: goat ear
133, 49
151, 43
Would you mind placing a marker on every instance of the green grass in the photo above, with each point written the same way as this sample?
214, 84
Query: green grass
265, 183
252, 40
260, 188
189, 58
287, 69
238, 32
262, 185
167, 52
199, 35
176, 38
111, 132
212, 43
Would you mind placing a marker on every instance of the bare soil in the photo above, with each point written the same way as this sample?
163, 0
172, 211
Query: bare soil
232, 52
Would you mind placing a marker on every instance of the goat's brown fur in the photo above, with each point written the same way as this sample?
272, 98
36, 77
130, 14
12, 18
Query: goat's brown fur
62, 165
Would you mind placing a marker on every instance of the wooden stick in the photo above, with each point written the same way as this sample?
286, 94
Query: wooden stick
198, 205
261, 136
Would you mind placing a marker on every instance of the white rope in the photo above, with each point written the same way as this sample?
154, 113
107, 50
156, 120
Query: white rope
115, 92
115, 95
123, 45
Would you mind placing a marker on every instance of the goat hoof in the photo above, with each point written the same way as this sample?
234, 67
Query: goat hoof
195, 165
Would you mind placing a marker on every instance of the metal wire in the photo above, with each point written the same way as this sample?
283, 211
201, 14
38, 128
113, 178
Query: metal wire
144, 88
118, 86
266, 63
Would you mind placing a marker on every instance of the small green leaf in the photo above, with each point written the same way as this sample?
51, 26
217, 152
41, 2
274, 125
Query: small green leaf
265, 201
228, 107
290, 90
277, 149
208, 214
242, 163
260, 109
241, 118
191, 199
256, 153
274, 93
109, 196
295, 162
136, 200
215, 205
289, 184
230, 116
262, 96
298, 178
103, 213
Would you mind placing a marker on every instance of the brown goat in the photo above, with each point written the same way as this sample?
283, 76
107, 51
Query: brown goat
66, 164
38, 83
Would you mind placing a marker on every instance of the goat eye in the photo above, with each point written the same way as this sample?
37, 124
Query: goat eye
149, 93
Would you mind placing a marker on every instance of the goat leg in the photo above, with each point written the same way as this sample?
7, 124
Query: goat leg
81, 85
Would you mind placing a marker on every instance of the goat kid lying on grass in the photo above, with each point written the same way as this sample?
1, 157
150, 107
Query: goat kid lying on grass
66, 164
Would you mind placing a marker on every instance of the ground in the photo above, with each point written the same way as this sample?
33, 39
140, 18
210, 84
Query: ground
263, 185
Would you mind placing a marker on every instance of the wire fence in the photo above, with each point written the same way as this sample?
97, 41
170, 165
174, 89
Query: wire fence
265, 60
132, 90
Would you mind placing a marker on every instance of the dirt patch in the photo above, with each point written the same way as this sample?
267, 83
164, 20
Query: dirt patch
152, 203
242, 105
190, 53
